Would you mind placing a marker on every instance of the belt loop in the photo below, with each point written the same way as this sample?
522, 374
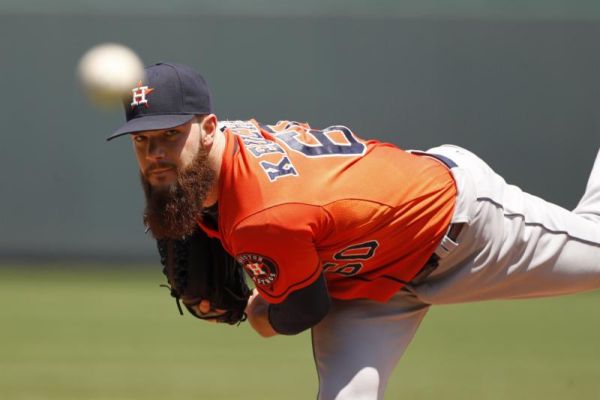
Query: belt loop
445, 246
449, 241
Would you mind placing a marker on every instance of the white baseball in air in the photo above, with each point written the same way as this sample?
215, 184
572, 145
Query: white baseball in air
107, 72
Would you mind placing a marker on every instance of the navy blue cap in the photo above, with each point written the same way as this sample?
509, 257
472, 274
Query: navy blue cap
170, 95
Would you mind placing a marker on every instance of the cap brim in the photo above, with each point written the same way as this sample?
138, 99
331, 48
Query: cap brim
151, 123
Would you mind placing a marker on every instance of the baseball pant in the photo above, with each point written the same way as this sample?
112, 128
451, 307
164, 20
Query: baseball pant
514, 245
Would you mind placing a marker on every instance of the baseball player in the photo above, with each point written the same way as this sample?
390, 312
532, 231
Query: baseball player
354, 239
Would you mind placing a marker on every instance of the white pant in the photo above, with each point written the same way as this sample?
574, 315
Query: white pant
514, 245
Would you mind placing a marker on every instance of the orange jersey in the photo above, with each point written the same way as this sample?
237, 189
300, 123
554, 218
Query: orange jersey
295, 202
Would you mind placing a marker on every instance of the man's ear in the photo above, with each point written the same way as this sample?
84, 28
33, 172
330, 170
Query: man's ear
208, 127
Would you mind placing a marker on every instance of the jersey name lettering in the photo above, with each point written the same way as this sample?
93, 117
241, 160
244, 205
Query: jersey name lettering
258, 146
276, 171
334, 141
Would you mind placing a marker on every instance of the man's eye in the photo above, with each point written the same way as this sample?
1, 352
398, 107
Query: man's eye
139, 139
171, 133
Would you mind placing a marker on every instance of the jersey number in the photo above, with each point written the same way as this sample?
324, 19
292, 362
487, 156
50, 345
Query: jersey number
352, 254
326, 146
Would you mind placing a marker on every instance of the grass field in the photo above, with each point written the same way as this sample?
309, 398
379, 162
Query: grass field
93, 333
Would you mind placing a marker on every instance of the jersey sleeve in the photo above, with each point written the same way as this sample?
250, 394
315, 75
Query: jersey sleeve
276, 247
302, 309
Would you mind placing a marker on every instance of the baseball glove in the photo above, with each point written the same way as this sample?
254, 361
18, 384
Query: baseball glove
198, 268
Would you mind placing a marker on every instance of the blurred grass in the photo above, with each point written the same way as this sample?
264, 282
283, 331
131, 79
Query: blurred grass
93, 333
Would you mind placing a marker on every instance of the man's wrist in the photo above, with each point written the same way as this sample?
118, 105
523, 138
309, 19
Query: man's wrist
258, 315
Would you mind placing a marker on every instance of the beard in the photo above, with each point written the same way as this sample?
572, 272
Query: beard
172, 211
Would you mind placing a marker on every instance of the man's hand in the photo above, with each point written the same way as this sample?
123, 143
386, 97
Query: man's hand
204, 309
257, 311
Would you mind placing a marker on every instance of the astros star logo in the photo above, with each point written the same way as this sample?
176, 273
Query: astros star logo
139, 95
263, 270
255, 268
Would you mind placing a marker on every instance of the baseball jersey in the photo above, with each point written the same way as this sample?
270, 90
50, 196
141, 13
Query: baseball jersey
296, 202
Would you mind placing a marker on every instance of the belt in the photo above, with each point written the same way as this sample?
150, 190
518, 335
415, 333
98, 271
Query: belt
449, 241
445, 160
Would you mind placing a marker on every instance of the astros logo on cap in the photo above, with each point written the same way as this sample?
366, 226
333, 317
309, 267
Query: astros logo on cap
139, 95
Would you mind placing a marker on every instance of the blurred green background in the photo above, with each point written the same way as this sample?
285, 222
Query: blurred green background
82, 316
515, 82
113, 334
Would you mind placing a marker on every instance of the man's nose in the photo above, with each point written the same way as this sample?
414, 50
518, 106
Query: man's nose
156, 150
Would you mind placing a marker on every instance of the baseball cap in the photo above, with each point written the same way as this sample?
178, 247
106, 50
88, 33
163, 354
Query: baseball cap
170, 95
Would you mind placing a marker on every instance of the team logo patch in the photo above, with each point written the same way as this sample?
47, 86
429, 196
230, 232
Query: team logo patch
261, 269
139, 95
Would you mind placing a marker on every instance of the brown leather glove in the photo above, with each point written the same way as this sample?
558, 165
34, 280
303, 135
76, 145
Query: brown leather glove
198, 268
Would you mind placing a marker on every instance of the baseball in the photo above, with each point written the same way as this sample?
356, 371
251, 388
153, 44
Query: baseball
107, 73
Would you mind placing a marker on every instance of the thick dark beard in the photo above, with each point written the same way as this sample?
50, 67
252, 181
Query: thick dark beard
172, 212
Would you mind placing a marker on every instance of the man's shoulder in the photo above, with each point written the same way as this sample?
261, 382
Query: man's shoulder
237, 126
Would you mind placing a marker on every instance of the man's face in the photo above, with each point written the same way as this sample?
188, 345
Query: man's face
176, 178
162, 154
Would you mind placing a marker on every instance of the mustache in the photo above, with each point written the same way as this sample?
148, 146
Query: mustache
159, 165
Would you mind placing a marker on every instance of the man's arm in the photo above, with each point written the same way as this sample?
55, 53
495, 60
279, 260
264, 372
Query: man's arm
258, 315
301, 310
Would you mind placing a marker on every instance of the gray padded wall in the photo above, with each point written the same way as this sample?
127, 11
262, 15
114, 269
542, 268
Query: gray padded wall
523, 94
